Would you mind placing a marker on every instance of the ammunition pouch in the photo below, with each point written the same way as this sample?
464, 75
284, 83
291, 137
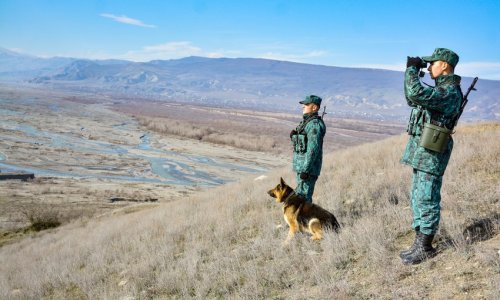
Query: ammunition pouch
410, 126
415, 116
435, 138
299, 138
299, 143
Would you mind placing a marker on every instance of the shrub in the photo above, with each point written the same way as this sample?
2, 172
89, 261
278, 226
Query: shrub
41, 218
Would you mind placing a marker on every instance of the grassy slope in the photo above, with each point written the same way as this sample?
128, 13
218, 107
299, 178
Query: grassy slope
225, 243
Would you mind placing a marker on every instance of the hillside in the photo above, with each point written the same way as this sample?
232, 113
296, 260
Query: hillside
250, 83
225, 243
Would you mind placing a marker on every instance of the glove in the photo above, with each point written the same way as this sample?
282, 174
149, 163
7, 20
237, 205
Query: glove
415, 61
293, 132
304, 176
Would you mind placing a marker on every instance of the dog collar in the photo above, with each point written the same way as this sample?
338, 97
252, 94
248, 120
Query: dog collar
289, 195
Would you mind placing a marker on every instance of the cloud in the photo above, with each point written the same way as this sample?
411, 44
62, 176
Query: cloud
302, 58
126, 20
223, 53
170, 50
393, 67
173, 50
481, 69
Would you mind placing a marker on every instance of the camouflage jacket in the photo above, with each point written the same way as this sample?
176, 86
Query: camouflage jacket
440, 104
308, 145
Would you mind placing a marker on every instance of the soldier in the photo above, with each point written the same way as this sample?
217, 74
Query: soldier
430, 144
307, 140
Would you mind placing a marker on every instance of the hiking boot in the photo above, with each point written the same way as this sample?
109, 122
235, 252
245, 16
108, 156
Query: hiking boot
404, 253
423, 250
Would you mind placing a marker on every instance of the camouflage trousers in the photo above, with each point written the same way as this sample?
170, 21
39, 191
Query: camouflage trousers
425, 201
305, 187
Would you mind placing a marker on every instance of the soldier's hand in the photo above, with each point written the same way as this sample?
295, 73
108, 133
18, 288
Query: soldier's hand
293, 132
304, 176
415, 61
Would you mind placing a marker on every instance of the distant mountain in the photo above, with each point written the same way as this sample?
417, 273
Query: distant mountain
16, 66
240, 82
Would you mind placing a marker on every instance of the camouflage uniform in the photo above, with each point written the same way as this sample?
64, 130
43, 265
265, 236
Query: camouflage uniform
308, 150
437, 105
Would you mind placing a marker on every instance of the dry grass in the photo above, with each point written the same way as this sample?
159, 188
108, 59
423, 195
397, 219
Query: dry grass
248, 129
43, 203
209, 134
225, 243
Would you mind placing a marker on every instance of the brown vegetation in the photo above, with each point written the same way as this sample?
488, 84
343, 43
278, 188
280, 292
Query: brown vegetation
41, 217
45, 203
225, 243
249, 130
209, 134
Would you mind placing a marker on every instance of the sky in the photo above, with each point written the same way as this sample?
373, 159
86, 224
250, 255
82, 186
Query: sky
374, 34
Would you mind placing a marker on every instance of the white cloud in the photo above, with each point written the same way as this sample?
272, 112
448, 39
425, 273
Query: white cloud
304, 57
393, 67
484, 70
215, 55
170, 50
173, 50
223, 53
126, 20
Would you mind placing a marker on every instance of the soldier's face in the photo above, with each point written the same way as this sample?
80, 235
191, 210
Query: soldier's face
309, 108
436, 68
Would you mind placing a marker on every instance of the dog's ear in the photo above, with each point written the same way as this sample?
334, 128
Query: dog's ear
282, 182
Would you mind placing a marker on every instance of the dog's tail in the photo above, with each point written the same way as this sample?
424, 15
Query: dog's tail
334, 223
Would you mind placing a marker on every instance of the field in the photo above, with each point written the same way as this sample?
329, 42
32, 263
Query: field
226, 241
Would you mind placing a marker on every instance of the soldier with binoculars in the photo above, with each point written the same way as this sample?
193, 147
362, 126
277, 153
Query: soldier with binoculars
433, 116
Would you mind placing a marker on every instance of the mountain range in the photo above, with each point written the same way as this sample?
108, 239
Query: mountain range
237, 82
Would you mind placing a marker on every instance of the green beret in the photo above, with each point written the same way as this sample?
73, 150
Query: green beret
443, 54
311, 99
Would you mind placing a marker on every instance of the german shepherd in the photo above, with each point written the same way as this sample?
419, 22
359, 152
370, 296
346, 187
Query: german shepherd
301, 215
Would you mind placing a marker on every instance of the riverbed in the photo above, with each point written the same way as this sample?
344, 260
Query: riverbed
90, 160
57, 138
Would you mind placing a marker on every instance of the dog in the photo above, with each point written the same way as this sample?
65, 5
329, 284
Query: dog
301, 215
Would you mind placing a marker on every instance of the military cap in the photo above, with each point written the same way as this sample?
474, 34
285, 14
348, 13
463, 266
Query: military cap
311, 99
442, 54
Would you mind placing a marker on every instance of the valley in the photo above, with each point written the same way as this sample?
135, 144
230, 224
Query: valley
85, 156
93, 155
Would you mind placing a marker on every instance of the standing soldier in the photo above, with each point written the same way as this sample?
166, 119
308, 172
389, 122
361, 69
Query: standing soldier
433, 114
307, 140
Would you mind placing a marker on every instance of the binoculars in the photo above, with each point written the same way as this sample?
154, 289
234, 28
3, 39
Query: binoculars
421, 64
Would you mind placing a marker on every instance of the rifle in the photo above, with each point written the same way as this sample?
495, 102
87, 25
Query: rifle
324, 112
465, 100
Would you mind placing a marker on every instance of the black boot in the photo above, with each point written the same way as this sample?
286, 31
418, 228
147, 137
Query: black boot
404, 253
422, 251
